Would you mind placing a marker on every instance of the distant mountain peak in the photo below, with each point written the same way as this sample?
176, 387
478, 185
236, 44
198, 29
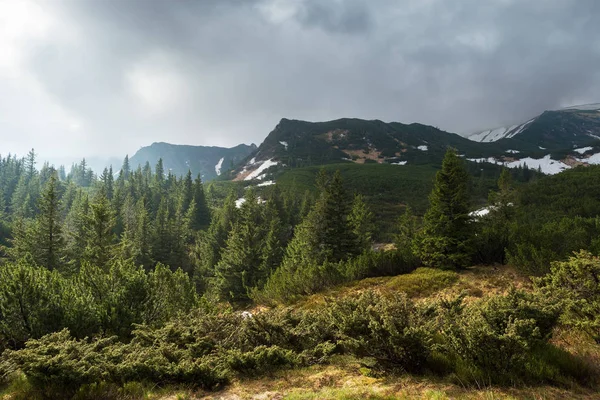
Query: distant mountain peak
563, 127
208, 161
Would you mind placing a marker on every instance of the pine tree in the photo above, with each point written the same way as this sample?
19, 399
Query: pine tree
186, 194
126, 169
337, 236
99, 233
361, 223
494, 229
50, 241
239, 268
445, 241
75, 229
201, 217
30, 162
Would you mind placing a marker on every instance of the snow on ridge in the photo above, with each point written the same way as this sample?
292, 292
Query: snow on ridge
284, 144
512, 151
594, 159
399, 163
583, 149
256, 174
266, 183
546, 164
219, 165
423, 148
492, 135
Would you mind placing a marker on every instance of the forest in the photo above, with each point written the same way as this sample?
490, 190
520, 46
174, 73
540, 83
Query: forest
114, 280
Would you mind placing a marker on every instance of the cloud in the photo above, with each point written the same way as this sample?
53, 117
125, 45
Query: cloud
103, 78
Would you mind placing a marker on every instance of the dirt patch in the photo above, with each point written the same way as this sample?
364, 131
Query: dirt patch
359, 156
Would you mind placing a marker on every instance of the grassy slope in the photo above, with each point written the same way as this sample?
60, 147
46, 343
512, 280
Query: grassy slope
345, 378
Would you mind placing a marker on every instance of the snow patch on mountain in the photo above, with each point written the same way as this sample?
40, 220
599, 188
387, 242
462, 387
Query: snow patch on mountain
219, 165
594, 159
423, 148
399, 163
256, 174
493, 135
284, 144
513, 151
545, 164
583, 149
266, 183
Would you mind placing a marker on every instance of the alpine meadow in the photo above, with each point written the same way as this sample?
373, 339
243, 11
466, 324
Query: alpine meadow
163, 237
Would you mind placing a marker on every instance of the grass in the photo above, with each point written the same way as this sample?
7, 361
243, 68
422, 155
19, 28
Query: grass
422, 282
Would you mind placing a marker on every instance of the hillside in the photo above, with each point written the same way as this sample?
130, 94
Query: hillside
210, 162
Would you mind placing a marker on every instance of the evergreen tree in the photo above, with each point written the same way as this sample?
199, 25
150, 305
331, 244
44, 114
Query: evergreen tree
336, 236
76, 229
494, 229
99, 233
201, 217
445, 240
126, 168
361, 223
239, 269
49, 238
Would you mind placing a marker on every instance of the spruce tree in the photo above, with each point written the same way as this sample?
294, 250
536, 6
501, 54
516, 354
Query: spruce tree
75, 229
445, 240
200, 219
126, 168
337, 236
99, 234
50, 241
361, 223
239, 268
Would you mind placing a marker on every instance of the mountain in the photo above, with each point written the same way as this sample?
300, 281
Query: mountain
553, 141
210, 162
557, 129
299, 143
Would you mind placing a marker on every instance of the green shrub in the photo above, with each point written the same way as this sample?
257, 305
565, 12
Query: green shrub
494, 339
387, 329
260, 360
575, 284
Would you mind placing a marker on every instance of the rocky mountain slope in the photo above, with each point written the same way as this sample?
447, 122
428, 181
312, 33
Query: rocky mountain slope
210, 162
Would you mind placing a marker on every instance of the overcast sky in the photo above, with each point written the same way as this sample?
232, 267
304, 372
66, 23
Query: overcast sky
105, 77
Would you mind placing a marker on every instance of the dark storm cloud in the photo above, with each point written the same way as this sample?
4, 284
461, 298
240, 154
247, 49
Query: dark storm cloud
346, 17
110, 76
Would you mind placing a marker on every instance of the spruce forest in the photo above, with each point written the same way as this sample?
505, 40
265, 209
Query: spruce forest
139, 283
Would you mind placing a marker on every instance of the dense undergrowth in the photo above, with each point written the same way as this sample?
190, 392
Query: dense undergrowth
503, 339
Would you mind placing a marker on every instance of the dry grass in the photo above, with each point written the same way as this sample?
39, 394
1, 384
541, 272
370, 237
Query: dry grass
343, 379
477, 282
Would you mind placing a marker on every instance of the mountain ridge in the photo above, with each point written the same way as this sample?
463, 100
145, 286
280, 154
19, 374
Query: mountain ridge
208, 161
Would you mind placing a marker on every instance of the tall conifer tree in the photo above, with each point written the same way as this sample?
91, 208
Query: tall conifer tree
445, 240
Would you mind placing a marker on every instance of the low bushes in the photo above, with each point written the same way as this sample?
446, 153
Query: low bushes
496, 340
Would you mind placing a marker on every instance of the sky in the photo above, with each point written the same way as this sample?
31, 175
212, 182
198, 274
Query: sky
102, 78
